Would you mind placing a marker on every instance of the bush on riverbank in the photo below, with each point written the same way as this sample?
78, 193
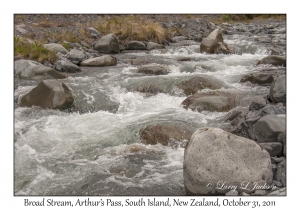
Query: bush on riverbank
32, 51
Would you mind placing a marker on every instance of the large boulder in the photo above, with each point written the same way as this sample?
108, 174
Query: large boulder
27, 69
56, 48
104, 60
164, 134
48, 94
219, 101
154, 70
76, 56
107, 44
278, 90
275, 60
136, 45
208, 44
215, 159
270, 128
66, 66
196, 84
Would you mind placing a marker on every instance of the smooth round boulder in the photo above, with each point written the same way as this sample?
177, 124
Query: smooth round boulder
136, 45
153, 70
219, 101
270, 128
275, 60
107, 44
278, 90
48, 94
104, 60
215, 159
153, 45
56, 48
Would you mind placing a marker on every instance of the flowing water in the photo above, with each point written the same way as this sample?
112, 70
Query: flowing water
96, 149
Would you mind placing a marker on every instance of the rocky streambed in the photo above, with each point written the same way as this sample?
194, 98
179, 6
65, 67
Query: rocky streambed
153, 119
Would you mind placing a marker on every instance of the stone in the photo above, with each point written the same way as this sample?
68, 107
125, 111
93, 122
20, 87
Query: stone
273, 109
248, 100
21, 30
273, 148
214, 156
93, 32
150, 87
256, 106
232, 193
259, 193
196, 84
138, 61
154, 134
107, 44
48, 94
76, 56
153, 70
56, 48
258, 78
136, 45
277, 160
104, 60
208, 44
219, 101
274, 51
269, 128
280, 174
278, 90
222, 48
278, 192
66, 66
27, 69
153, 45
281, 31
178, 38
275, 60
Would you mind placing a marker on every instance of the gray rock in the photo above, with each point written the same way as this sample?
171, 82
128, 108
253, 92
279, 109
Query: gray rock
280, 174
269, 128
178, 38
278, 192
55, 48
157, 70
136, 45
107, 44
93, 32
151, 87
48, 94
232, 193
76, 56
214, 156
259, 193
27, 69
21, 30
277, 184
153, 45
196, 84
258, 78
222, 48
278, 90
275, 60
274, 51
208, 44
163, 134
219, 101
273, 109
248, 100
277, 160
104, 60
281, 31
273, 148
256, 106
66, 66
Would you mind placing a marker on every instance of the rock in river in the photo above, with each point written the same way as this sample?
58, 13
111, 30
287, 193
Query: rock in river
275, 60
104, 60
153, 69
107, 44
214, 159
66, 66
278, 90
49, 94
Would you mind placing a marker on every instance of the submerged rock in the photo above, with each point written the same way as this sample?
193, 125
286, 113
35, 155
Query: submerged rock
48, 94
164, 134
157, 70
275, 60
214, 156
